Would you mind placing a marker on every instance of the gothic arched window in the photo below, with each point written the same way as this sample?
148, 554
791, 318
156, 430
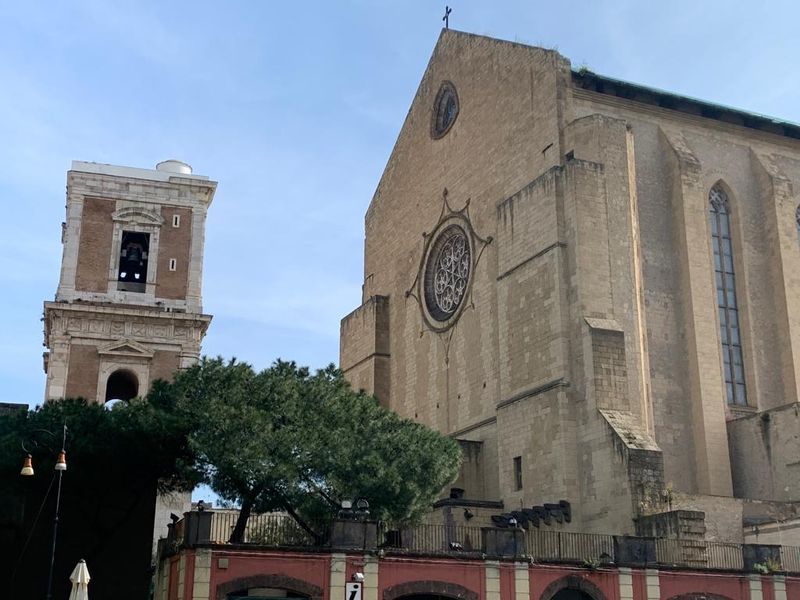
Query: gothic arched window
728, 308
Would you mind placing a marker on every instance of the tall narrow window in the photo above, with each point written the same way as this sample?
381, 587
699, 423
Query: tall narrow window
728, 308
517, 473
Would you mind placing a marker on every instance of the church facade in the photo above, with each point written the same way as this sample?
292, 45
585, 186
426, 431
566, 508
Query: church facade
593, 286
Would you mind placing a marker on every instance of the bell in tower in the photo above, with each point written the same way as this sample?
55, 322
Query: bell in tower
133, 261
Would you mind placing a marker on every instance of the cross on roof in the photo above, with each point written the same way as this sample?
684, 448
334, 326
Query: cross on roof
446, 17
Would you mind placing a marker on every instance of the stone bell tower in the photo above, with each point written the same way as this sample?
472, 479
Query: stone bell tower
128, 309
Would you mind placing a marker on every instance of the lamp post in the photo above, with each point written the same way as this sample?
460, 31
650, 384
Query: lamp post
61, 466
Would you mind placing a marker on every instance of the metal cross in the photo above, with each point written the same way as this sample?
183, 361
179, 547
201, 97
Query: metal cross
446, 17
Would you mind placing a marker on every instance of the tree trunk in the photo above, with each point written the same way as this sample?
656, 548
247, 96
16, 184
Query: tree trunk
237, 535
299, 520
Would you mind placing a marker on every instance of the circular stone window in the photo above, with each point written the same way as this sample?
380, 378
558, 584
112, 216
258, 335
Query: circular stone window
445, 110
447, 273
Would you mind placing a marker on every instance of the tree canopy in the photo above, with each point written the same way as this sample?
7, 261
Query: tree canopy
141, 444
286, 439
279, 439
117, 460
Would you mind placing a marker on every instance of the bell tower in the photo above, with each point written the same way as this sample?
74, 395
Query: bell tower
128, 309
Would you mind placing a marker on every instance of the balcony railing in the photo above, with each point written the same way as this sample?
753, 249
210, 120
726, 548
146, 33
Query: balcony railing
790, 559
564, 546
431, 538
278, 530
262, 529
721, 555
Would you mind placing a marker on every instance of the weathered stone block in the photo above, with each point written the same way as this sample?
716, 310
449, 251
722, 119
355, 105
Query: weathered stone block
354, 535
502, 541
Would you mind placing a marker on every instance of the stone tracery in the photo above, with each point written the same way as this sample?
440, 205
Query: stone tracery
450, 255
448, 273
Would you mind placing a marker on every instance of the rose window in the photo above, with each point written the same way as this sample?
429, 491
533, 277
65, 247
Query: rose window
447, 273
445, 110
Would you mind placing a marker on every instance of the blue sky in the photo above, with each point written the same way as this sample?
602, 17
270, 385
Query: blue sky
294, 108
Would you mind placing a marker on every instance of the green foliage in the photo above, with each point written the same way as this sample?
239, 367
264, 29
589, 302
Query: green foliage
282, 439
770, 565
591, 563
286, 439
116, 461
120, 448
278, 531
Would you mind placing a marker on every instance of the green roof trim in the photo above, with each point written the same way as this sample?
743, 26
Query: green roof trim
585, 79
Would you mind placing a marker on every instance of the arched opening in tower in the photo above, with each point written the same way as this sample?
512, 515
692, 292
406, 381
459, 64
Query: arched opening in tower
122, 385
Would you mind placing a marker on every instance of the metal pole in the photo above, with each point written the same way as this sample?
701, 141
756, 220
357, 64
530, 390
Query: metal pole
55, 535
55, 523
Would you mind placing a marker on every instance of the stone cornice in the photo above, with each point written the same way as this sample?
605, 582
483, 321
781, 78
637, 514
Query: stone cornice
92, 309
112, 323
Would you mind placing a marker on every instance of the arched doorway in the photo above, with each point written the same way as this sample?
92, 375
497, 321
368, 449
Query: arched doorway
268, 587
699, 596
568, 594
428, 590
572, 587
262, 593
122, 385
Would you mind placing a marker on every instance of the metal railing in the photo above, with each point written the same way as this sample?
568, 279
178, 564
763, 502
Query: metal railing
722, 555
432, 538
671, 552
569, 547
274, 529
265, 529
790, 558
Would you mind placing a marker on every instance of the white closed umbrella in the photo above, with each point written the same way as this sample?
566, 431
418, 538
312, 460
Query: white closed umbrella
80, 582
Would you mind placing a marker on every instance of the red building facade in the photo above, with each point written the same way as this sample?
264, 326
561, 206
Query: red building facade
219, 572
507, 564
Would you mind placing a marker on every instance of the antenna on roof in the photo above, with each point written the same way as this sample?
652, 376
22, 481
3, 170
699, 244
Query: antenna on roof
446, 17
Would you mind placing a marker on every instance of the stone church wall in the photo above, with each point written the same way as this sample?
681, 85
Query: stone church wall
755, 167
765, 454
452, 384
531, 342
485, 464
589, 342
364, 350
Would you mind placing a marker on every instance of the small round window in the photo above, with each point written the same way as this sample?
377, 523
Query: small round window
445, 110
447, 273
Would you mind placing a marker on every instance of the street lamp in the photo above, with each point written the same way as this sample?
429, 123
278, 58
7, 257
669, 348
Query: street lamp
61, 466
27, 467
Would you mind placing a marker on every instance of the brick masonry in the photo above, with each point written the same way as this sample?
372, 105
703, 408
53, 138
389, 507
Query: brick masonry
95, 245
